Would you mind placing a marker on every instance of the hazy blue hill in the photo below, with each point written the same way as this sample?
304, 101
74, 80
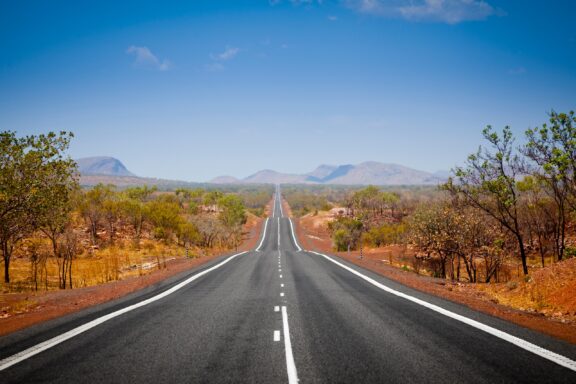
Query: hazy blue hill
103, 166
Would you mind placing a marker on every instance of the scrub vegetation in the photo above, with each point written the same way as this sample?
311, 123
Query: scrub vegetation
56, 235
505, 217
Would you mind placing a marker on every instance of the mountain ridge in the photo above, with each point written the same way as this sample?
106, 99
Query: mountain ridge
369, 172
109, 169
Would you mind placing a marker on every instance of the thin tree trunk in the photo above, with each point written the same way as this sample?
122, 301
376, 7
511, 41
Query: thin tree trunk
522, 253
6, 254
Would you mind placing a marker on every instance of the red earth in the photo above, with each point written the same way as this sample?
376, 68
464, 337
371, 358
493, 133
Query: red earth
317, 238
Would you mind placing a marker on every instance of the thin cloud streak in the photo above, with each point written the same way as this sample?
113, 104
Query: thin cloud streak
443, 11
145, 58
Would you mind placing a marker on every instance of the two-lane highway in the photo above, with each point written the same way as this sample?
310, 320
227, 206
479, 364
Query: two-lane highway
281, 314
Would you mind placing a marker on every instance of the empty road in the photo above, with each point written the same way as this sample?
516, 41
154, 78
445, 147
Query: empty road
280, 314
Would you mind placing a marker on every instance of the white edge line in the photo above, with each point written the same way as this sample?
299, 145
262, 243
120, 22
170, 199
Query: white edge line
263, 236
27, 353
290, 365
278, 235
293, 236
526, 345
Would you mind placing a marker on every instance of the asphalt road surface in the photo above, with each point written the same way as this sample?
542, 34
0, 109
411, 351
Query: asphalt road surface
280, 314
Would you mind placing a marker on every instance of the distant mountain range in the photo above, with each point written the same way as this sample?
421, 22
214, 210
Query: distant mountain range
108, 170
369, 172
94, 170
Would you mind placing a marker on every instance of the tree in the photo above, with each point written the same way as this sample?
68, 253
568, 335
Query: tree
434, 231
35, 176
346, 233
553, 149
233, 216
133, 206
92, 207
188, 233
541, 218
111, 210
488, 183
164, 213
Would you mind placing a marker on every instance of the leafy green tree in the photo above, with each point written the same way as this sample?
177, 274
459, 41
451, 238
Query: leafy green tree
553, 148
188, 233
35, 177
232, 212
433, 230
111, 210
164, 213
211, 198
91, 208
133, 206
346, 233
488, 183
386, 234
233, 216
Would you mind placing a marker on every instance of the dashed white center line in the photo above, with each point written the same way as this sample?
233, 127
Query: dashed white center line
282, 285
276, 335
282, 294
277, 308
279, 269
280, 276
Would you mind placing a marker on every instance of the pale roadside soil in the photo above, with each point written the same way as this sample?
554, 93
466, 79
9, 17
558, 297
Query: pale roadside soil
547, 303
21, 310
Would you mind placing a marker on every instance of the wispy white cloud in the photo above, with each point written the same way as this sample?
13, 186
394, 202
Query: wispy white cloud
228, 54
332, 18
444, 11
217, 60
145, 58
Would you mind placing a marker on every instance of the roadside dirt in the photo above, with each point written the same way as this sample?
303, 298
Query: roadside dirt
21, 310
313, 235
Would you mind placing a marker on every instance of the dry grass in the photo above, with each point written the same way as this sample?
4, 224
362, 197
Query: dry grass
95, 267
550, 291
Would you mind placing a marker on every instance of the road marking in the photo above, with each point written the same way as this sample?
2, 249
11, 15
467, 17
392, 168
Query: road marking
280, 276
279, 269
281, 285
290, 366
276, 308
281, 294
276, 335
27, 353
263, 236
526, 345
278, 235
280, 203
293, 236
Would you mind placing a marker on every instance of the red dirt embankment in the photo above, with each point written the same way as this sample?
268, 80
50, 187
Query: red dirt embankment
35, 307
313, 235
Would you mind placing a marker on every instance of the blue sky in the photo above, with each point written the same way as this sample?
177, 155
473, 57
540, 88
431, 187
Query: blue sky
195, 89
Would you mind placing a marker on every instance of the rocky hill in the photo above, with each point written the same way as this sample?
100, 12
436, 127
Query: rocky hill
102, 166
369, 172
